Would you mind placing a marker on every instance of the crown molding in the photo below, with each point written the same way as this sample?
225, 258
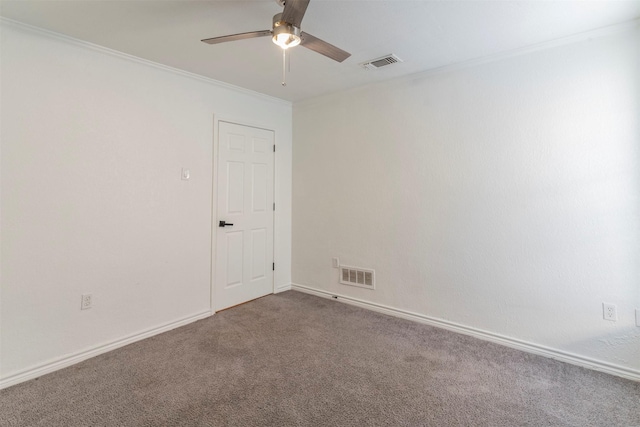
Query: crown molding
115, 53
495, 57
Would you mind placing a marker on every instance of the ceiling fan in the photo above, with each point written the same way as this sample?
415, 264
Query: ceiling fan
286, 32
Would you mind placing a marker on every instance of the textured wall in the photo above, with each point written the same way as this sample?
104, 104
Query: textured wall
92, 201
502, 196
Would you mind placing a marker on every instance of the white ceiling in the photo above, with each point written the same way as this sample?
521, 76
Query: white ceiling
425, 34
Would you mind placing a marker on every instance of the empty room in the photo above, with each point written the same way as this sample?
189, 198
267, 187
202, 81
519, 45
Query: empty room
319, 213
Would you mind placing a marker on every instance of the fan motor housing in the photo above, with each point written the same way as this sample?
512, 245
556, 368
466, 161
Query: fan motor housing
284, 27
280, 26
278, 22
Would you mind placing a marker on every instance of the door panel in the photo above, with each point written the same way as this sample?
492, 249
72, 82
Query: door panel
235, 258
235, 188
259, 187
244, 248
258, 258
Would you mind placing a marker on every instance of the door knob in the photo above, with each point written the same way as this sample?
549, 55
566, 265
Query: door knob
224, 224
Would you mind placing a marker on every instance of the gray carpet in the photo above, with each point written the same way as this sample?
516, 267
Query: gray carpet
298, 360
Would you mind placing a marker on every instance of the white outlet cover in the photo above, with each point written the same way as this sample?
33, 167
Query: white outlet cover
87, 301
609, 312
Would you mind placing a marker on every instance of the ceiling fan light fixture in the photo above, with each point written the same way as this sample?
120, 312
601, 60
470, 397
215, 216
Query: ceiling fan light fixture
286, 35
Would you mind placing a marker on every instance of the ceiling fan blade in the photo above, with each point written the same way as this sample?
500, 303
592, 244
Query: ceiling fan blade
241, 36
294, 11
322, 47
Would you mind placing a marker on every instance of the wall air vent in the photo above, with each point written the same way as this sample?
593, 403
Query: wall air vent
356, 276
374, 64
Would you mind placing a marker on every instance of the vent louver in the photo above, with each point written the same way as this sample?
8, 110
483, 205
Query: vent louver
356, 276
381, 62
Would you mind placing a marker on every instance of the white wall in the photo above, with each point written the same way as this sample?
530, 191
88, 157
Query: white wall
92, 200
503, 197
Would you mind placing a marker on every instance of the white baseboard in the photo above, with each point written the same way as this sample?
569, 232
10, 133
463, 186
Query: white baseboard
528, 347
46, 368
282, 288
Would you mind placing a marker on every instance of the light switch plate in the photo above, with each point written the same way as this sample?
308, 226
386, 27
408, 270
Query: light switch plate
335, 262
186, 174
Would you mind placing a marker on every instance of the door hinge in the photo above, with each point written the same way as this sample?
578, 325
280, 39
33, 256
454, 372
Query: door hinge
273, 266
274, 148
274, 206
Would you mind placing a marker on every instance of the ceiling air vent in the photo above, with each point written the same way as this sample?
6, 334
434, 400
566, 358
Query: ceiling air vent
374, 64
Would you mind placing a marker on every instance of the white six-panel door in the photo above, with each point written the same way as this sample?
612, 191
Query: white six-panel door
244, 250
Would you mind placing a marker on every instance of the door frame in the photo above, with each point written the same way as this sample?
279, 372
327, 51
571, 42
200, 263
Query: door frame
214, 197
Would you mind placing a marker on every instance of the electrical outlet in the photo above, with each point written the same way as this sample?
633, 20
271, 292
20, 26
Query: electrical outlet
87, 301
609, 312
638, 317
335, 262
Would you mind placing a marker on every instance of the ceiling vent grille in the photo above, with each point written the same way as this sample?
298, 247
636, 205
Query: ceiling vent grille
383, 61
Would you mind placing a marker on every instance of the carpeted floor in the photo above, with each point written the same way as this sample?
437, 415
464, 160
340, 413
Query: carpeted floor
297, 360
